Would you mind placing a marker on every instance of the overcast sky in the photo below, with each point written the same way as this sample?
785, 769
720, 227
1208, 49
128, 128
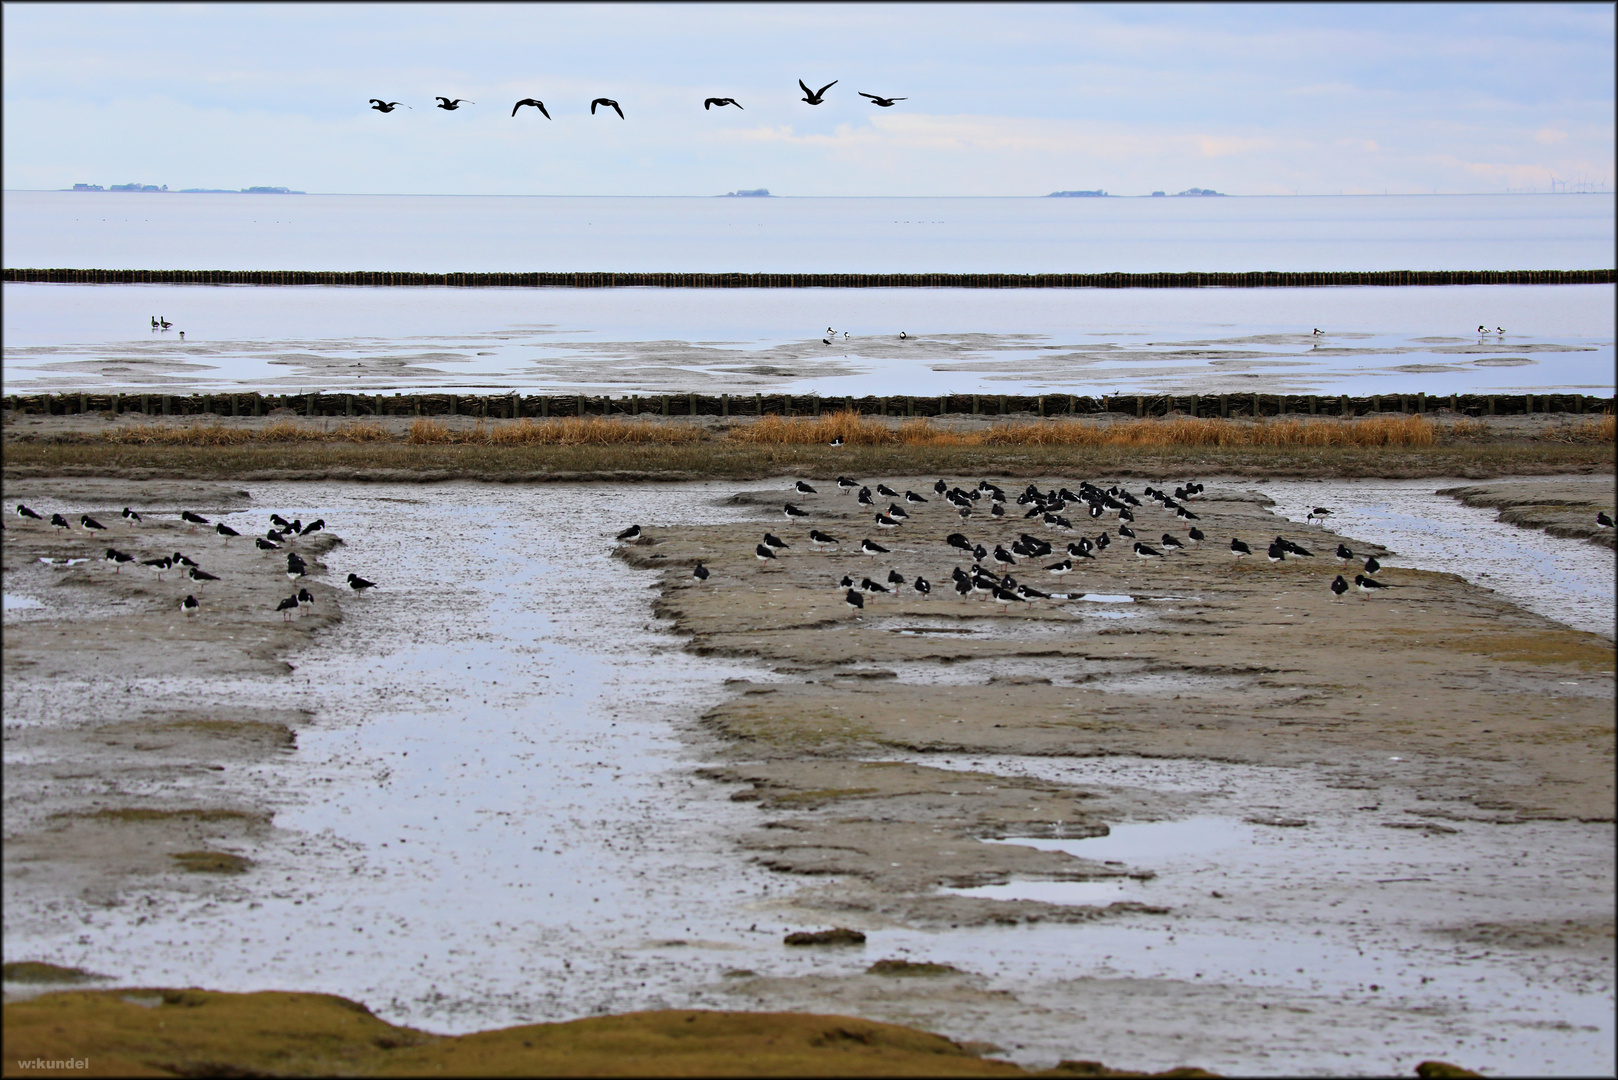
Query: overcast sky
1250, 100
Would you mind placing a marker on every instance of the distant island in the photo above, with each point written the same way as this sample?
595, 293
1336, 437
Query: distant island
755, 193
193, 190
1096, 194
1195, 191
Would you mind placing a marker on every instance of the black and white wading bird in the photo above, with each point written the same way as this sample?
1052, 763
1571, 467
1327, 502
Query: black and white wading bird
159, 565
1318, 512
803, 488
855, 602
1276, 553
1145, 553
287, 606
189, 605
180, 560
820, 539
193, 520
1345, 554
1194, 537
885, 102
313, 527
117, 558
450, 106
816, 97
883, 521
280, 522
873, 550
131, 516
1367, 586
380, 106
266, 545
305, 599
296, 568
90, 524
1338, 588
709, 103
700, 572
1602, 520
225, 531
201, 577
922, 585
1239, 549
845, 484
629, 533
839, 440
24, 512
359, 584
764, 553
60, 522
886, 491
609, 102
1171, 544
1371, 565
793, 512
912, 497
775, 543
535, 102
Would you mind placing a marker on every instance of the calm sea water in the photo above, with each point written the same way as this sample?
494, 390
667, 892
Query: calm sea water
621, 341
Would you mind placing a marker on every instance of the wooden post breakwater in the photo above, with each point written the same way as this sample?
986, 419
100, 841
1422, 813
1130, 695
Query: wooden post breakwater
1265, 279
512, 406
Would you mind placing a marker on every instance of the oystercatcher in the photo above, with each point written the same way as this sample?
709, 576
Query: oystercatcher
958, 540
1345, 554
996, 510
922, 585
845, 484
60, 522
266, 545
1318, 512
296, 568
1185, 515
201, 576
1006, 596
793, 512
1239, 549
1126, 531
700, 572
883, 521
24, 512
1194, 537
314, 526
1371, 565
803, 489
1171, 544
90, 524
1276, 553
1003, 558
1143, 552
839, 440
1058, 569
1367, 586
189, 605
305, 599
117, 558
1294, 549
193, 519
160, 565
1602, 520
287, 606
963, 586
940, 486
1103, 542
131, 515
895, 578
897, 511
359, 584
225, 531
912, 497
821, 539
869, 586
773, 541
1338, 588
280, 522
764, 554
855, 602
181, 560
873, 550
887, 492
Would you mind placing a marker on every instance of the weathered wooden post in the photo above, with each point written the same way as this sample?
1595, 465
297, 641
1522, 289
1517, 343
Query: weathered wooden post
1256, 407
758, 404
168, 404
693, 401
1491, 404
1404, 404
724, 404
1001, 410
942, 401
1224, 407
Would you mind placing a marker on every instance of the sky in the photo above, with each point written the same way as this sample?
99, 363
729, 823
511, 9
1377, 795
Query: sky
999, 100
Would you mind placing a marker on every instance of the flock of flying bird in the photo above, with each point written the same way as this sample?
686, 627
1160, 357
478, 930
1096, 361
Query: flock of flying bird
811, 97
282, 533
989, 574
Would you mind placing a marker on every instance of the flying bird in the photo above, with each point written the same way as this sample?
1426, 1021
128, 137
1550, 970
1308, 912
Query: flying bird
884, 102
385, 106
606, 101
450, 106
816, 97
721, 102
540, 105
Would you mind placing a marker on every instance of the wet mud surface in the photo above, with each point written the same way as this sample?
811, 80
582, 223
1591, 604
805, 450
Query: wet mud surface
1567, 507
1205, 816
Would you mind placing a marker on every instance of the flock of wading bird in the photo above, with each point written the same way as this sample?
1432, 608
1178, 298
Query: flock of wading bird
989, 574
281, 534
810, 97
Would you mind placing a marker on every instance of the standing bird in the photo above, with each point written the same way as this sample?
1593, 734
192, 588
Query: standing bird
117, 558
380, 106
606, 101
855, 602
1338, 588
1602, 520
1277, 553
193, 519
189, 605
629, 534
131, 516
775, 543
1367, 586
885, 102
314, 526
1344, 554
296, 568
1371, 565
845, 484
1195, 536
202, 577
1318, 512
60, 522
305, 598
816, 97
1237, 548
922, 585
359, 584
803, 489
764, 553
540, 105
873, 550
450, 106
90, 524
266, 545
24, 512
820, 539
287, 606
721, 102
700, 572
793, 512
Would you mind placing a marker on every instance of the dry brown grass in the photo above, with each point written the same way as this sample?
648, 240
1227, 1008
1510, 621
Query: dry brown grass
563, 431
1590, 430
1184, 431
214, 434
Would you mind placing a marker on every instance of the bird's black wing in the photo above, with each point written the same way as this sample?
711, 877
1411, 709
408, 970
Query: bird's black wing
617, 110
519, 105
593, 105
862, 93
377, 101
707, 104
806, 90
823, 89
542, 109
442, 98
